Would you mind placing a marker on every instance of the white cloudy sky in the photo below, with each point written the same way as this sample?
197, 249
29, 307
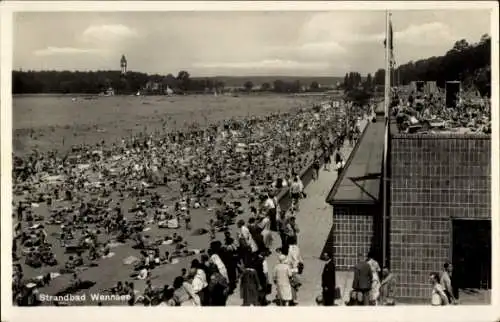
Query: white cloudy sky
236, 43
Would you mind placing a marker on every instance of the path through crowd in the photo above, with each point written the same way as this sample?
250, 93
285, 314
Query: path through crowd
314, 219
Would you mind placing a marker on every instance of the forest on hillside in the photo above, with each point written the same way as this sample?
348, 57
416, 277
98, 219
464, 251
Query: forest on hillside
468, 63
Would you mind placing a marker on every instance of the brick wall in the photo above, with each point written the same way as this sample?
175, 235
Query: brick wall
353, 232
434, 178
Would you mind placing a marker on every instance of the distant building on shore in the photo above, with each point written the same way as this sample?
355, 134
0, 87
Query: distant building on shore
123, 65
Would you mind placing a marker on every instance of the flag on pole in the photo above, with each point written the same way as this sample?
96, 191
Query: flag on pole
391, 43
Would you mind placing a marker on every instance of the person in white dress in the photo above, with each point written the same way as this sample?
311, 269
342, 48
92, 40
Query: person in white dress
294, 259
281, 276
438, 295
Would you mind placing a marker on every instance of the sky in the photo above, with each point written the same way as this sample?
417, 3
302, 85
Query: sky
236, 43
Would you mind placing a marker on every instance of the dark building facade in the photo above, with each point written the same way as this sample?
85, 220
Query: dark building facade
440, 210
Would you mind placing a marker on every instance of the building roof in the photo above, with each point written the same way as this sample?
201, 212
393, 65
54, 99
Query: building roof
361, 180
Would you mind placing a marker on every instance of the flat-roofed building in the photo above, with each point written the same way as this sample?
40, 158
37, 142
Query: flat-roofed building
439, 207
356, 198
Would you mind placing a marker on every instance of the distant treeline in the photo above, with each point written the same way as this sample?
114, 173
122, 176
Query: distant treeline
94, 82
468, 63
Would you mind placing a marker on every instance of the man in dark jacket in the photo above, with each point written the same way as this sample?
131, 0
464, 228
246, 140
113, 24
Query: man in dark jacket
328, 281
362, 282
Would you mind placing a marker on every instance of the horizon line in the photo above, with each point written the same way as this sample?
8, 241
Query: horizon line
191, 75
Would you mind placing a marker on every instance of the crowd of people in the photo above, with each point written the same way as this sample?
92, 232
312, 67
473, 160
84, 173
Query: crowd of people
73, 209
371, 285
416, 112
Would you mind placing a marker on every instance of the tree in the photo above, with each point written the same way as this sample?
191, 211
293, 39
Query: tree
461, 45
358, 96
279, 86
219, 86
314, 86
484, 38
379, 77
295, 87
465, 62
183, 79
169, 81
248, 86
368, 82
265, 87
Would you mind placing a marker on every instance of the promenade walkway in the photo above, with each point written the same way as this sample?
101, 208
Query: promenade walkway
315, 220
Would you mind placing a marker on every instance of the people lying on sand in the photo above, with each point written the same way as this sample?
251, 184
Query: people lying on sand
143, 274
166, 259
75, 281
177, 239
206, 169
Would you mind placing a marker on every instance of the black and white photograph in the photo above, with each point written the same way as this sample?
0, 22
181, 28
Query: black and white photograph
261, 158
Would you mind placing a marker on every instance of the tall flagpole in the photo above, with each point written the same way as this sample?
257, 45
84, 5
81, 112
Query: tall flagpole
388, 45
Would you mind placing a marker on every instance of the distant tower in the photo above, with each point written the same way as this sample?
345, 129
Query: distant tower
123, 65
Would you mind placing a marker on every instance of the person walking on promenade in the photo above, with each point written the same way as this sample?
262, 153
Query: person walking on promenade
328, 282
291, 231
248, 246
445, 281
267, 236
282, 223
270, 207
294, 259
295, 192
249, 285
339, 160
282, 278
327, 160
229, 256
362, 282
316, 167
438, 295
